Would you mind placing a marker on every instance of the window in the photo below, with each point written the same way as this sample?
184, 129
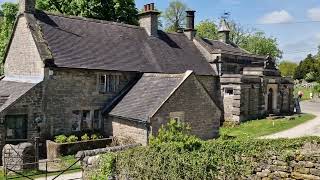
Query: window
86, 120
16, 126
96, 120
228, 91
109, 83
177, 116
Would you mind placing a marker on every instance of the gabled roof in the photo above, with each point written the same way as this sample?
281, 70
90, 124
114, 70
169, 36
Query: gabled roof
76, 42
219, 47
10, 92
148, 95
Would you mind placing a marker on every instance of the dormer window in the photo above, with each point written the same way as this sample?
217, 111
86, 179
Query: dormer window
109, 83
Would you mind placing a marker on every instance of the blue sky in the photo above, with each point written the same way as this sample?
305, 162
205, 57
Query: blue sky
295, 39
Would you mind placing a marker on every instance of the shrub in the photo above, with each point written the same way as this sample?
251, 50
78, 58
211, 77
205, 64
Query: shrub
72, 139
94, 137
60, 139
85, 137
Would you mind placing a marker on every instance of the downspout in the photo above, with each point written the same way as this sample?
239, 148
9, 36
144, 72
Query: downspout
147, 125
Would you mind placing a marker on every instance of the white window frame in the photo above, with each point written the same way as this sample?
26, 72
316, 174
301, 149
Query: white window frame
111, 83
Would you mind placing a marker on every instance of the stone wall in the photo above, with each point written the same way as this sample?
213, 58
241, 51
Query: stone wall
68, 90
129, 129
301, 164
190, 104
23, 59
56, 150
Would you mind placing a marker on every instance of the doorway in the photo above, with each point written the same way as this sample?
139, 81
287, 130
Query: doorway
270, 100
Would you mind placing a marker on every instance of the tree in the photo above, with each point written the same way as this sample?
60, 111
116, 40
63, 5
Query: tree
9, 11
258, 43
123, 11
207, 29
175, 15
287, 68
308, 65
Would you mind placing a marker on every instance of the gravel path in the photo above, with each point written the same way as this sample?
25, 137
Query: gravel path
310, 128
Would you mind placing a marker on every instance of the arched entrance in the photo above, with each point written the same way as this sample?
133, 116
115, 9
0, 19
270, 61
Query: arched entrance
270, 100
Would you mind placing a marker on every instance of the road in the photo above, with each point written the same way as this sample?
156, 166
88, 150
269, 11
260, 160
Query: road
310, 128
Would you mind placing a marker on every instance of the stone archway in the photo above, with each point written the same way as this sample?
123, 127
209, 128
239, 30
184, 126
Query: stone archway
270, 100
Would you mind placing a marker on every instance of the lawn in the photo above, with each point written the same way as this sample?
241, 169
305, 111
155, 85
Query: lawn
306, 92
257, 128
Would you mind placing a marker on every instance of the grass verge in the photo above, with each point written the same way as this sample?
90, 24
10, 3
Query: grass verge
258, 128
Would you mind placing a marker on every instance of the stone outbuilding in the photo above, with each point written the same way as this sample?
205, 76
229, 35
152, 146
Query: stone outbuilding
251, 85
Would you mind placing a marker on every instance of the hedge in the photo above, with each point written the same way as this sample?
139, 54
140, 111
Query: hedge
176, 155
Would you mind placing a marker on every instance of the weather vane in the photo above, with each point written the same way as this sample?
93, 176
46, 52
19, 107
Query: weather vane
225, 15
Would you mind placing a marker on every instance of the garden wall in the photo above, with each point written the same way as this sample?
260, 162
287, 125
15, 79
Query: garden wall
222, 159
56, 150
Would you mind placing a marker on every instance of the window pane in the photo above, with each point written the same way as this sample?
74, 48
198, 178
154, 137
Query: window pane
96, 119
16, 127
102, 85
85, 120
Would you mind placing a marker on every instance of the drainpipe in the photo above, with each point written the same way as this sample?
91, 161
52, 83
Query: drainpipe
147, 125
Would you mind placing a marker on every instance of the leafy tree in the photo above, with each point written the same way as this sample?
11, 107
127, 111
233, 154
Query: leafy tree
207, 29
308, 65
112, 10
175, 15
258, 43
9, 11
287, 68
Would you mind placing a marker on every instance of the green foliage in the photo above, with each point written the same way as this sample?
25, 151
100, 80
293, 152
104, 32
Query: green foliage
85, 137
207, 29
112, 10
311, 64
94, 136
252, 41
259, 43
223, 159
174, 15
72, 139
287, 68
316, 88
60, 139
9, 11
178, 133
106, 169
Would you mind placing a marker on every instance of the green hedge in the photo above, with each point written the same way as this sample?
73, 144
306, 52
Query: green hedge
223, 159
174, 154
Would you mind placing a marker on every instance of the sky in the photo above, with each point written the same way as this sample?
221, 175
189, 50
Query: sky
295, 23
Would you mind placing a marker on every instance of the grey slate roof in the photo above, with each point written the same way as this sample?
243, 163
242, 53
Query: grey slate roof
217, 47
10, 92
77, 42
147, 96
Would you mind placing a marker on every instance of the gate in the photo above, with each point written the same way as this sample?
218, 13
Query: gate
14, 165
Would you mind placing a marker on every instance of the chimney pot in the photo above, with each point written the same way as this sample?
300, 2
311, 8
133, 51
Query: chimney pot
190, 32
149, 19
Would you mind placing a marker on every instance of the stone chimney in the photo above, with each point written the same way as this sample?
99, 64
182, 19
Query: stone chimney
224, 31
148, 19
27, 6
190, 32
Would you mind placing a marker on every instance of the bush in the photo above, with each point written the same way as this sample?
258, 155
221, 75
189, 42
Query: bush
60, 139
72, 139
85, 137
94, 137
176, 155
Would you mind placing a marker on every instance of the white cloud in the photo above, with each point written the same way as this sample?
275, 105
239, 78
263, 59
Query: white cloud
276, 17
314, 14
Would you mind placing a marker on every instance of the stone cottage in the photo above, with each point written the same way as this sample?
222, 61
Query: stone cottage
67, 74
251, 85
